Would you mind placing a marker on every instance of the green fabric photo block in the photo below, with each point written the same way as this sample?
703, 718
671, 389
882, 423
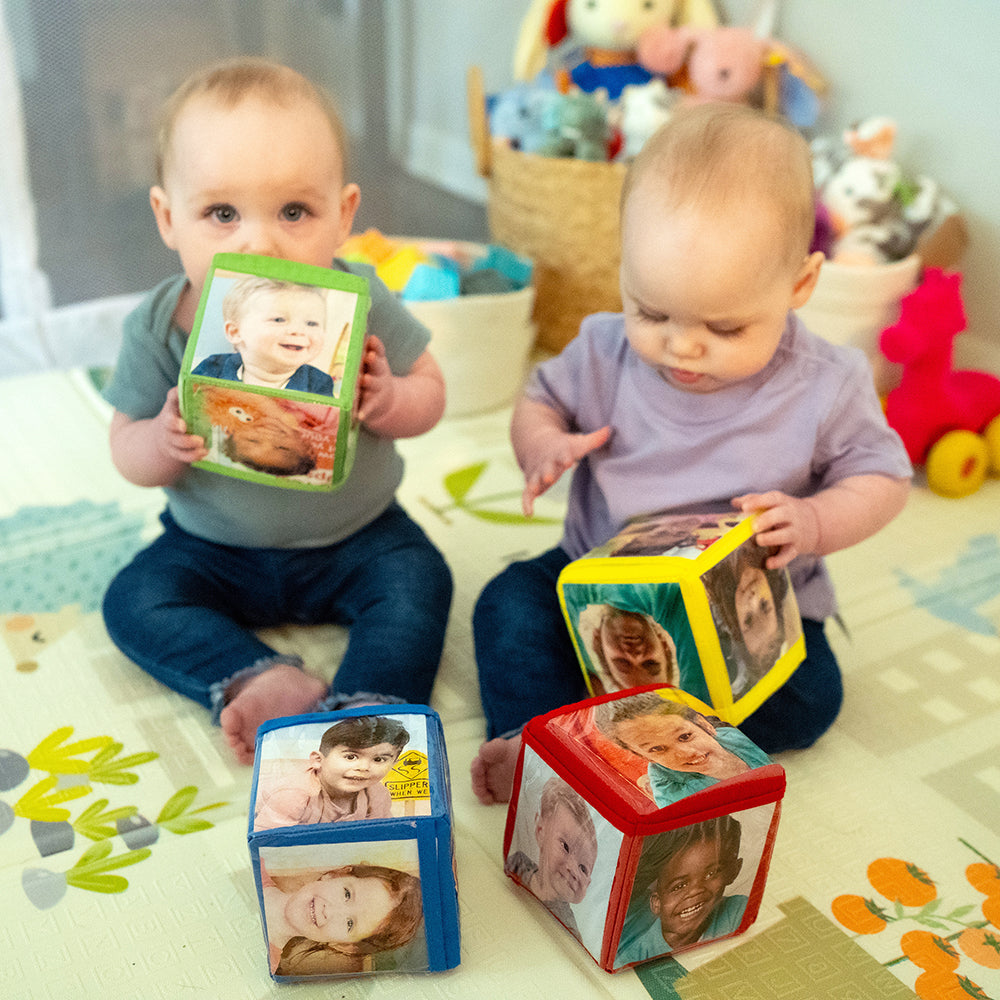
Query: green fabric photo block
269, 376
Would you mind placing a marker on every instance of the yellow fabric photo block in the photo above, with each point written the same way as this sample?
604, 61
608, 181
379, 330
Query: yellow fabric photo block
684, 599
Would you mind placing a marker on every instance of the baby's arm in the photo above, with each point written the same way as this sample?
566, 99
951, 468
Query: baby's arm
154, 451
545, 447
835, 518
397, 406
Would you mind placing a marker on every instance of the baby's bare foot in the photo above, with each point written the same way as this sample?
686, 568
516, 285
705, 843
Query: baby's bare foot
493, 770
282, 690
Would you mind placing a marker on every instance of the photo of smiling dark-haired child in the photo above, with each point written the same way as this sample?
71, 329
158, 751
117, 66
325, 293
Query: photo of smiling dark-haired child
341, 780
686, 902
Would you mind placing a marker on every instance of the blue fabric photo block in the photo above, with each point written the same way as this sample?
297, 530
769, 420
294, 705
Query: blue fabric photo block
351, 843
642, 824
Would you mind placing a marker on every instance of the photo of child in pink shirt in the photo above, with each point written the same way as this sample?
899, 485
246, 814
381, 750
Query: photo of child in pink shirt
342, 780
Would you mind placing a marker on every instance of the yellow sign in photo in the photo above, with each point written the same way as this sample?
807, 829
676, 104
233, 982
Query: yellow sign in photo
410, 778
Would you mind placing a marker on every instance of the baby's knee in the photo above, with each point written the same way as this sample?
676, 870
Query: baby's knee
118, 606
430, 580
506, 589
139, 595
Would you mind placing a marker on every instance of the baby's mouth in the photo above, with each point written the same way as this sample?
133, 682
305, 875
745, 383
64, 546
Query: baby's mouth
684, 376
689, 912
697, 761
293, 347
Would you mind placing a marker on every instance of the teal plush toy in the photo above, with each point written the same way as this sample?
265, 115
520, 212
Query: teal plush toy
577, 126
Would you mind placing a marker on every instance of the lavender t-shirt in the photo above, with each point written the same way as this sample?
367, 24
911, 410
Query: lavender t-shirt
808, 420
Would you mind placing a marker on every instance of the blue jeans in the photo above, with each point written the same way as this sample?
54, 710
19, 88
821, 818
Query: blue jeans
185, 608
528, 666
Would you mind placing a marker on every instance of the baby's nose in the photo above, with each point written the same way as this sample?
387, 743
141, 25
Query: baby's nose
685, 343
259, 239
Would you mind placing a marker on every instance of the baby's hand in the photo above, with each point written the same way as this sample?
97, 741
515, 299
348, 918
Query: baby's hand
789, 524
171, 434
561, 452
376, 384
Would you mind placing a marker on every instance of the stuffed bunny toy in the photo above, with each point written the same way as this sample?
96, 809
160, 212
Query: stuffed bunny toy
603, 35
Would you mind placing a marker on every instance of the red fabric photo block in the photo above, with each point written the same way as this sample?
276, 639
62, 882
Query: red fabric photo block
642, 823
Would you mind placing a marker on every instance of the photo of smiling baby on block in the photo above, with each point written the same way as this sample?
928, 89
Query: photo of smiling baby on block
644, 857
342, 779
684, 599
269, 373
351, 843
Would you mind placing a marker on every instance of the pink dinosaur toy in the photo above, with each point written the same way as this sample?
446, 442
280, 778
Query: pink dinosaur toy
933, 400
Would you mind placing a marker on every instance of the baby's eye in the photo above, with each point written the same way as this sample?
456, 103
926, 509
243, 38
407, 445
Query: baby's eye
648, 316
294, 211
241, 414
223, 213
726, 331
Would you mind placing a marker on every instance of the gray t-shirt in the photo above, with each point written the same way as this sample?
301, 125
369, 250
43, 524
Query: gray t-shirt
809, 419
233, 511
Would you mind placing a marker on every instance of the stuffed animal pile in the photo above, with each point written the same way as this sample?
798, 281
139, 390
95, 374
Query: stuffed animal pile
598, 77
878, 213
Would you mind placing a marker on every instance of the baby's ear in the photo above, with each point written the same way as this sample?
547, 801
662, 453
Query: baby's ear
160, 204
805, 279
735, 867
350, 200
315, 758
232, 332
539, 827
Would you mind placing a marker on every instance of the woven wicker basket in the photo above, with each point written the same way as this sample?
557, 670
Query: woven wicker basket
563, 214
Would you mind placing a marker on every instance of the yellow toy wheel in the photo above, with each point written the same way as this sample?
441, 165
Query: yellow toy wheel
992, 438
957, 464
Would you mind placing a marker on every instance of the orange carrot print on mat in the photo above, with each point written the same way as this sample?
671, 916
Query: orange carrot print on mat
901, 882
945, 943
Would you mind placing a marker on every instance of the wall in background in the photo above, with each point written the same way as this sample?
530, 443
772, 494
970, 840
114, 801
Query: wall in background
931, 66
432, 44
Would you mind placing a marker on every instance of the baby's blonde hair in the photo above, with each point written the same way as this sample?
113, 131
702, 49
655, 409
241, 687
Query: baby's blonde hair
722, 157
243, 290
231, 82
